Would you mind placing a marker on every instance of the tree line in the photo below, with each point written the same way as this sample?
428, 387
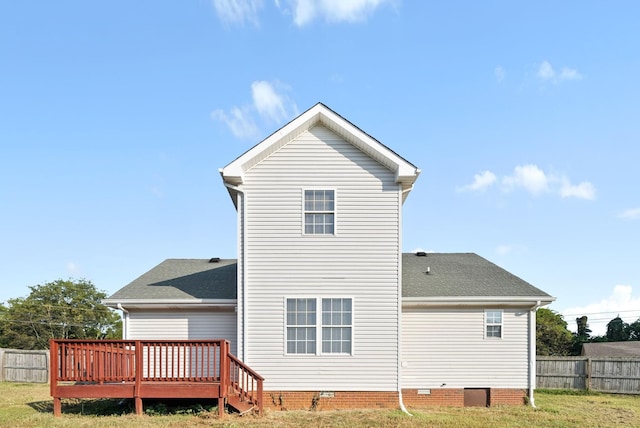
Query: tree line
62, 309
553, 338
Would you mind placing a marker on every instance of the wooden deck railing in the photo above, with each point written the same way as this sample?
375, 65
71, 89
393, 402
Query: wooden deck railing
150, 369
245, 382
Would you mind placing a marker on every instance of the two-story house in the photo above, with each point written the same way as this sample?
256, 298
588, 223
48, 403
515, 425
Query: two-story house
322, 302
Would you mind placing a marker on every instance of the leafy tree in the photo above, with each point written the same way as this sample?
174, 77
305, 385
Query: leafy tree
70, 309
634, 330
552, 335
582, 335
584, 331
617, 330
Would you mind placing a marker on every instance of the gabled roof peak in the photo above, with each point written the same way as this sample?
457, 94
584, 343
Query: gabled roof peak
406, 173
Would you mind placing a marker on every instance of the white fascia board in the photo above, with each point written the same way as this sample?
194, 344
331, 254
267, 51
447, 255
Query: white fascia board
409, 302
405, 172
170, 303
234, 173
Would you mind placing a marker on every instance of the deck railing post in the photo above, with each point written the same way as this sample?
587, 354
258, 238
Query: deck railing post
259, 394
138, 377
53, 377
224, 376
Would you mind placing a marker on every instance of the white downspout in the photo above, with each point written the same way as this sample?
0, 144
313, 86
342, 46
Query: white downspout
125, 322
241, 243
400, 401
532, 353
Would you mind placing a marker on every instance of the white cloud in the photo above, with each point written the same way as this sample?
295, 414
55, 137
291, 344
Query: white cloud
499, 73
530, 177
72, 268
270, 103
547, 73
481, 182
584, 190
305, 11
620, 302
534, 180
504, 249
238, 11
630, 214
569, 74
238, 120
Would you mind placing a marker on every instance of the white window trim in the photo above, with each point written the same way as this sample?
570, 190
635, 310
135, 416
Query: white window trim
335, 212
319, 326
487, 324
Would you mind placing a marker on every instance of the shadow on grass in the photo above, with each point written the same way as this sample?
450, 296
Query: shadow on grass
93, 407
118, 407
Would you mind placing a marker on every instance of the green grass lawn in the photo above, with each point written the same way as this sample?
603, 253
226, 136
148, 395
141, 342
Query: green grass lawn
29, 405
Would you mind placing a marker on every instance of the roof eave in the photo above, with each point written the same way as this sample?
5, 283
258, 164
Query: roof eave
477, 301
169, 303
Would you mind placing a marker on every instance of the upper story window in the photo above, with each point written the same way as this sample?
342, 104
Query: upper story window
493, 323
319, 212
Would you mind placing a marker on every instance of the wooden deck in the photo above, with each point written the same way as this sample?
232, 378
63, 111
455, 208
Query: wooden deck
140, 369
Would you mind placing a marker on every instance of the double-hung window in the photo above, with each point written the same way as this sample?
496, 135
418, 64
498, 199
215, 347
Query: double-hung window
301, 326
493, 323
336, 326
319, 212
327, 331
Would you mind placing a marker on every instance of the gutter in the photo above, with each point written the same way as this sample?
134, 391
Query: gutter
401, 197
241, 243
532, 352
475, 301
125, 321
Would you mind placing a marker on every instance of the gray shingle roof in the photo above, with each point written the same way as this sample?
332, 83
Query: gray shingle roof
460, 275
612, 349
450, 275
183, 279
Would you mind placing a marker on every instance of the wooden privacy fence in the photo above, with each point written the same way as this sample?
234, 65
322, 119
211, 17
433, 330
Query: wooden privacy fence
17, 365
602, 374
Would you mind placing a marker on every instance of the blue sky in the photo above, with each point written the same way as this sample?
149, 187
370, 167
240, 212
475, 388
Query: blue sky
115, 117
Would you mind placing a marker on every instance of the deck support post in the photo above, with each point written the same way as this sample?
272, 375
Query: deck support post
139, 409
57, 407
221, 407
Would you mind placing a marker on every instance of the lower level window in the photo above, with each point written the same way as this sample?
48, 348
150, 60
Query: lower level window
301, 326
335, 324
493, 323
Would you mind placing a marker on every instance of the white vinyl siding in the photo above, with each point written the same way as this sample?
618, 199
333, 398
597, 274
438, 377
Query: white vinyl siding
359, 262
183, 325
446, 348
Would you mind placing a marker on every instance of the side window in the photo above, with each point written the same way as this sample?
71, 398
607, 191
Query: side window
319, 326
493, 323
336, 326
319, 212
301, 326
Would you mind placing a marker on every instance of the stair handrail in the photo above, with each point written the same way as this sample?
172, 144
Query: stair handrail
254, 396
